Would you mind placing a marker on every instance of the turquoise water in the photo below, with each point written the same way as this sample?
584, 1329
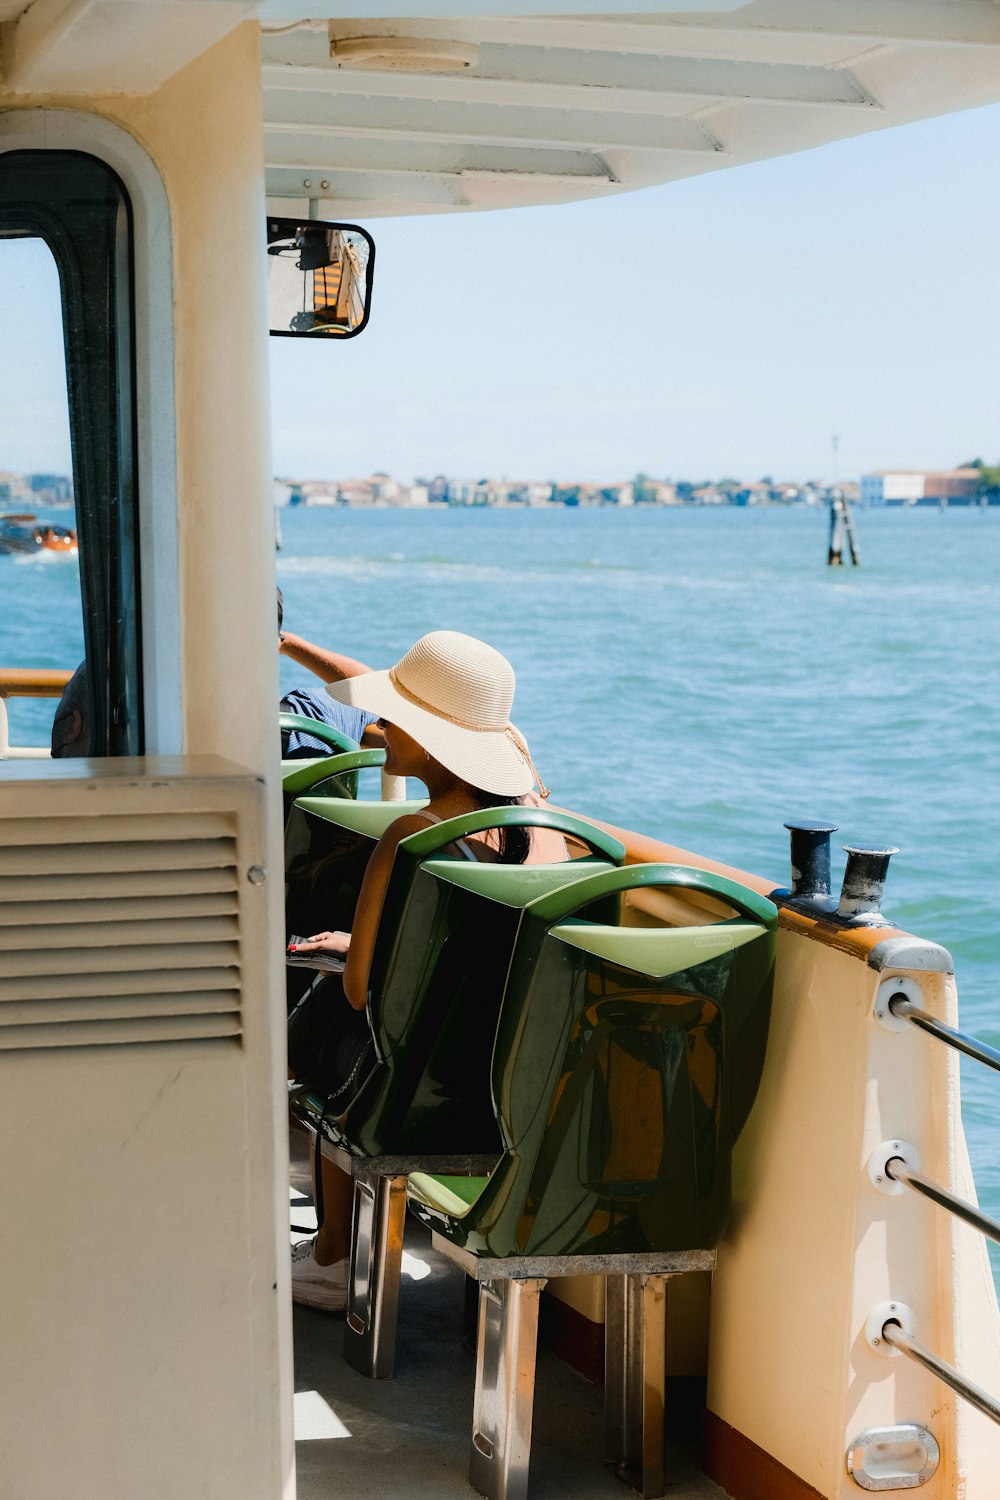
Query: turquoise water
699, 675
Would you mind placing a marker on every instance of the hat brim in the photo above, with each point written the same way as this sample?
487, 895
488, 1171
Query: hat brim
485, 758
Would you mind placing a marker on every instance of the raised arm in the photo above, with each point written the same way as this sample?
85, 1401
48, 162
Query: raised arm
329, 666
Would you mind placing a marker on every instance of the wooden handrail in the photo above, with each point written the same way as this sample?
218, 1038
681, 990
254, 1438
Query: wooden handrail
32, 682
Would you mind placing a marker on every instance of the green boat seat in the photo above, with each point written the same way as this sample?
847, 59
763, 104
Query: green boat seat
299, 773
441, 954
329, 839
625, 1065
317, 729
445, 939
626, 1062
326, 775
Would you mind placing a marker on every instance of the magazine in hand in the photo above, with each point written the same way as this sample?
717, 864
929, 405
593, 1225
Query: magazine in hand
326, 963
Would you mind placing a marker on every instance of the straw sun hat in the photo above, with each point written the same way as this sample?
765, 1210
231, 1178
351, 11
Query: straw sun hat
452, 694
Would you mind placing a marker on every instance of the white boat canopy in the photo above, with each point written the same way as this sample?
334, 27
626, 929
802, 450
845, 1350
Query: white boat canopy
417, 115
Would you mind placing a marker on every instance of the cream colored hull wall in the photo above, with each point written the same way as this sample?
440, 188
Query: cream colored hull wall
813, 1246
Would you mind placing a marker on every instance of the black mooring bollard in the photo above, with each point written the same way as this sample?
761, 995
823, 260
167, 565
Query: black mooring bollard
810, 859
864, 879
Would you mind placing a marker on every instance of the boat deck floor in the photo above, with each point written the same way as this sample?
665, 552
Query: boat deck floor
408, 1438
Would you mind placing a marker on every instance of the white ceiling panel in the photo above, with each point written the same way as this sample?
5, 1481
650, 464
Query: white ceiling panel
554, 107
551, 106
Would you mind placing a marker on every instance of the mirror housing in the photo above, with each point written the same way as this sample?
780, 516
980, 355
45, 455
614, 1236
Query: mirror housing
319, 278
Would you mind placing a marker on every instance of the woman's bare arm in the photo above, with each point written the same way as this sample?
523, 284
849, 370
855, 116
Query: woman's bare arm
368, 912
329, 666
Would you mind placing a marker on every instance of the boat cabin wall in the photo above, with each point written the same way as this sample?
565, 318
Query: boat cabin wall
147, 1339
207, 572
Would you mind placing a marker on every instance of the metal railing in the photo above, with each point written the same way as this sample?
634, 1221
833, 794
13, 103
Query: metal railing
895, 1336
970, 1045
898, 1170
26, 682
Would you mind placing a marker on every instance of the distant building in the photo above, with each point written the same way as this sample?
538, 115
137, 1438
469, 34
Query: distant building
919, 486
28, 490
355, 492
384, 489
53, 489
753, 494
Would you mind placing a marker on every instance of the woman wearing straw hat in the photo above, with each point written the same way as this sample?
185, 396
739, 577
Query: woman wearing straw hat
445, 708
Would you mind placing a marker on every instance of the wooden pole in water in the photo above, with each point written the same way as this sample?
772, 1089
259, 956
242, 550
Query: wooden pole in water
834, 552
841, 531
849, 528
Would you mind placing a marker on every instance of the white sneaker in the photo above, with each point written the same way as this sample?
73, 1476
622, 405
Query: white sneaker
314, 1285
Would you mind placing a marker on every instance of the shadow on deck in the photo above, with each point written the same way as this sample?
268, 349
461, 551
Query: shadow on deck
408, 1438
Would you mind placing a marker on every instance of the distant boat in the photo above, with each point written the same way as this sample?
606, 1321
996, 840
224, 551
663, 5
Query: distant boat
26, 533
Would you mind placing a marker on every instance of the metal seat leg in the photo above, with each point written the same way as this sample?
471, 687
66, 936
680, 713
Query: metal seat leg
505, 1388
635, 1379
373, 1291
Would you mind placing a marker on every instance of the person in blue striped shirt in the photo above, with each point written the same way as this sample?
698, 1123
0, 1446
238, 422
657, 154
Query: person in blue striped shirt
310, 703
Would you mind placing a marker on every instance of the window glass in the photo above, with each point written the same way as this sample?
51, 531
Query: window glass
41, 619
68, 556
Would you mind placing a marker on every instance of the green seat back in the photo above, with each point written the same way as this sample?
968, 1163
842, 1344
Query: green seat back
328, 842
318, 729
326, 775
442, 951
626, 1062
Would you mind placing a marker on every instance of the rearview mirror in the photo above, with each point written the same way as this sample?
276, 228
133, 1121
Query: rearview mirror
319, 278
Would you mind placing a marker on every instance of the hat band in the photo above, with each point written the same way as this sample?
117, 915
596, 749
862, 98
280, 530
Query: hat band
439, 713
515, 737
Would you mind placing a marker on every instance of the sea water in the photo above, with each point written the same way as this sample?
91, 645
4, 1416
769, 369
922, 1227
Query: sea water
697, 674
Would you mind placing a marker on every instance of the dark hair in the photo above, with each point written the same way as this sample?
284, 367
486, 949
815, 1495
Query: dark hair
281, 609
514, 842
71, 724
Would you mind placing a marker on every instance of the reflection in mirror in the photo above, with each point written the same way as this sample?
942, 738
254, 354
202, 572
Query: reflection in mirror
319, 278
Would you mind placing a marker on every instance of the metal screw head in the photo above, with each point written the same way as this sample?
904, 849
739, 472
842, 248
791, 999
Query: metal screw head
324, 184
878, 1177
256, 874
307, 182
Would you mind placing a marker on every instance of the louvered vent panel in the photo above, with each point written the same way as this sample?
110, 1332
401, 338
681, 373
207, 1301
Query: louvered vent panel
121, 929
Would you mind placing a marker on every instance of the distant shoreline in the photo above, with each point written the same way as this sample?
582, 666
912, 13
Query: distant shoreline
688, 507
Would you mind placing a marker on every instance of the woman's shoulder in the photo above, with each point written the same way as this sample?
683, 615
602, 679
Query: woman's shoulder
407, 823
548, 847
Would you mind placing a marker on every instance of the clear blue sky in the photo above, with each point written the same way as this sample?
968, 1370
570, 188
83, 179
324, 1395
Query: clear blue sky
755, 312
727, 324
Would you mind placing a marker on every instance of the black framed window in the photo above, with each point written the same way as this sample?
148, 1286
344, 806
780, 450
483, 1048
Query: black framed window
77, 206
